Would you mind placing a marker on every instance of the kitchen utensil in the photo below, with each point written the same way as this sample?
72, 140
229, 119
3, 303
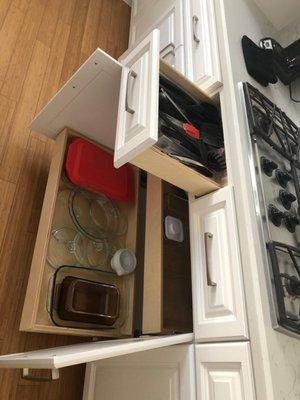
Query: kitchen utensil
174, 228
96, 216
91, 168
84, 296
123, 262
66, 247
87, 301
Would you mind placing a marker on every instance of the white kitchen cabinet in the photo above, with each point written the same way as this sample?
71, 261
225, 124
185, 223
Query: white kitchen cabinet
218, 297
194, 44
224, 372
171, 17
167, 373
205, 49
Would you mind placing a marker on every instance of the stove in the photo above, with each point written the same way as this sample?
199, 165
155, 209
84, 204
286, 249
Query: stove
275, 140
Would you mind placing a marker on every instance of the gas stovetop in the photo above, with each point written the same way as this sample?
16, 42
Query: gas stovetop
276, 151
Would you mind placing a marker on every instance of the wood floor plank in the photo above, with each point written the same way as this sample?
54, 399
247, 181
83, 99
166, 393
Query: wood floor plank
72, 58
21, 4
90, 36
115, 46
67, 10
7, 191
19, 133
51, 81
23, 51
28, 392
104, 26
4, 7
49, 22
7, 109
37, 69
8, 37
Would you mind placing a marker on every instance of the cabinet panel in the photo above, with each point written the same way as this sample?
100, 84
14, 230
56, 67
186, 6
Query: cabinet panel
137, 126
168, 18
167, 275
218, 299
207, 70
87, 103
65, 356
162, 374
224, 372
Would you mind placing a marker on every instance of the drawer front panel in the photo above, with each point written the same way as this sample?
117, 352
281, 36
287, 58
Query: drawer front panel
217, 280
224, 372
207, 70
137, 125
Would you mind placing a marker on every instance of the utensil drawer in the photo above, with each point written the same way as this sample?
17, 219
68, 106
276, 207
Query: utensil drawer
115, 103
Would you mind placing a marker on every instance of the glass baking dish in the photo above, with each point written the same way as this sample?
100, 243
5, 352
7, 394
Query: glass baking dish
111, 282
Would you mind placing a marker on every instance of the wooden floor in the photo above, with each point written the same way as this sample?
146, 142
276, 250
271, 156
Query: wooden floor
42, 42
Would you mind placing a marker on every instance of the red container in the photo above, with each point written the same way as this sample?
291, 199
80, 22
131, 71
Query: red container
92, 168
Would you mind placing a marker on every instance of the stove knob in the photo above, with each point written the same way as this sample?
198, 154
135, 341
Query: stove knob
291, 221
275, 215
286, 198
268, 166
282, 177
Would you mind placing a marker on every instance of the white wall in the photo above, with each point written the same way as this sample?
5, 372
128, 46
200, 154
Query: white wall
287, 36
276, 357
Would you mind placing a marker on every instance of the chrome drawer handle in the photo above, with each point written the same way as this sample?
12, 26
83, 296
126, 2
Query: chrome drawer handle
52, 377
129, 109
195, 23
171, 50
208, 236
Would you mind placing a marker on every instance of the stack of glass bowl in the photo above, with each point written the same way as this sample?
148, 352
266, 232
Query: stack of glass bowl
87, 230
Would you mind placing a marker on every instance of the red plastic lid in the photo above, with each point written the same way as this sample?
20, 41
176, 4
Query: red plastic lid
91, 168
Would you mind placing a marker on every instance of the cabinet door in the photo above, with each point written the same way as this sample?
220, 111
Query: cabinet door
218, 298
162, 374
64, 356
137, 125
168, 18
207, 70
224, 372
171, 37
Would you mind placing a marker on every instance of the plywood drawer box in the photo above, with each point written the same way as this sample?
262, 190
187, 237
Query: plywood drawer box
36, 316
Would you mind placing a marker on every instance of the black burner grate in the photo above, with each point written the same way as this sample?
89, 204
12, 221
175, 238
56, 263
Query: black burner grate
269, 122
286, 283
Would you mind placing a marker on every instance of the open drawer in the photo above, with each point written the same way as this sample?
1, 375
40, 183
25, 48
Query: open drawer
115, 103
159, 298
36, 316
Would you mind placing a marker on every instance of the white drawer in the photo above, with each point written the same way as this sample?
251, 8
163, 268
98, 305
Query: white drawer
218, 295
205, 49
116, 104
224, 372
